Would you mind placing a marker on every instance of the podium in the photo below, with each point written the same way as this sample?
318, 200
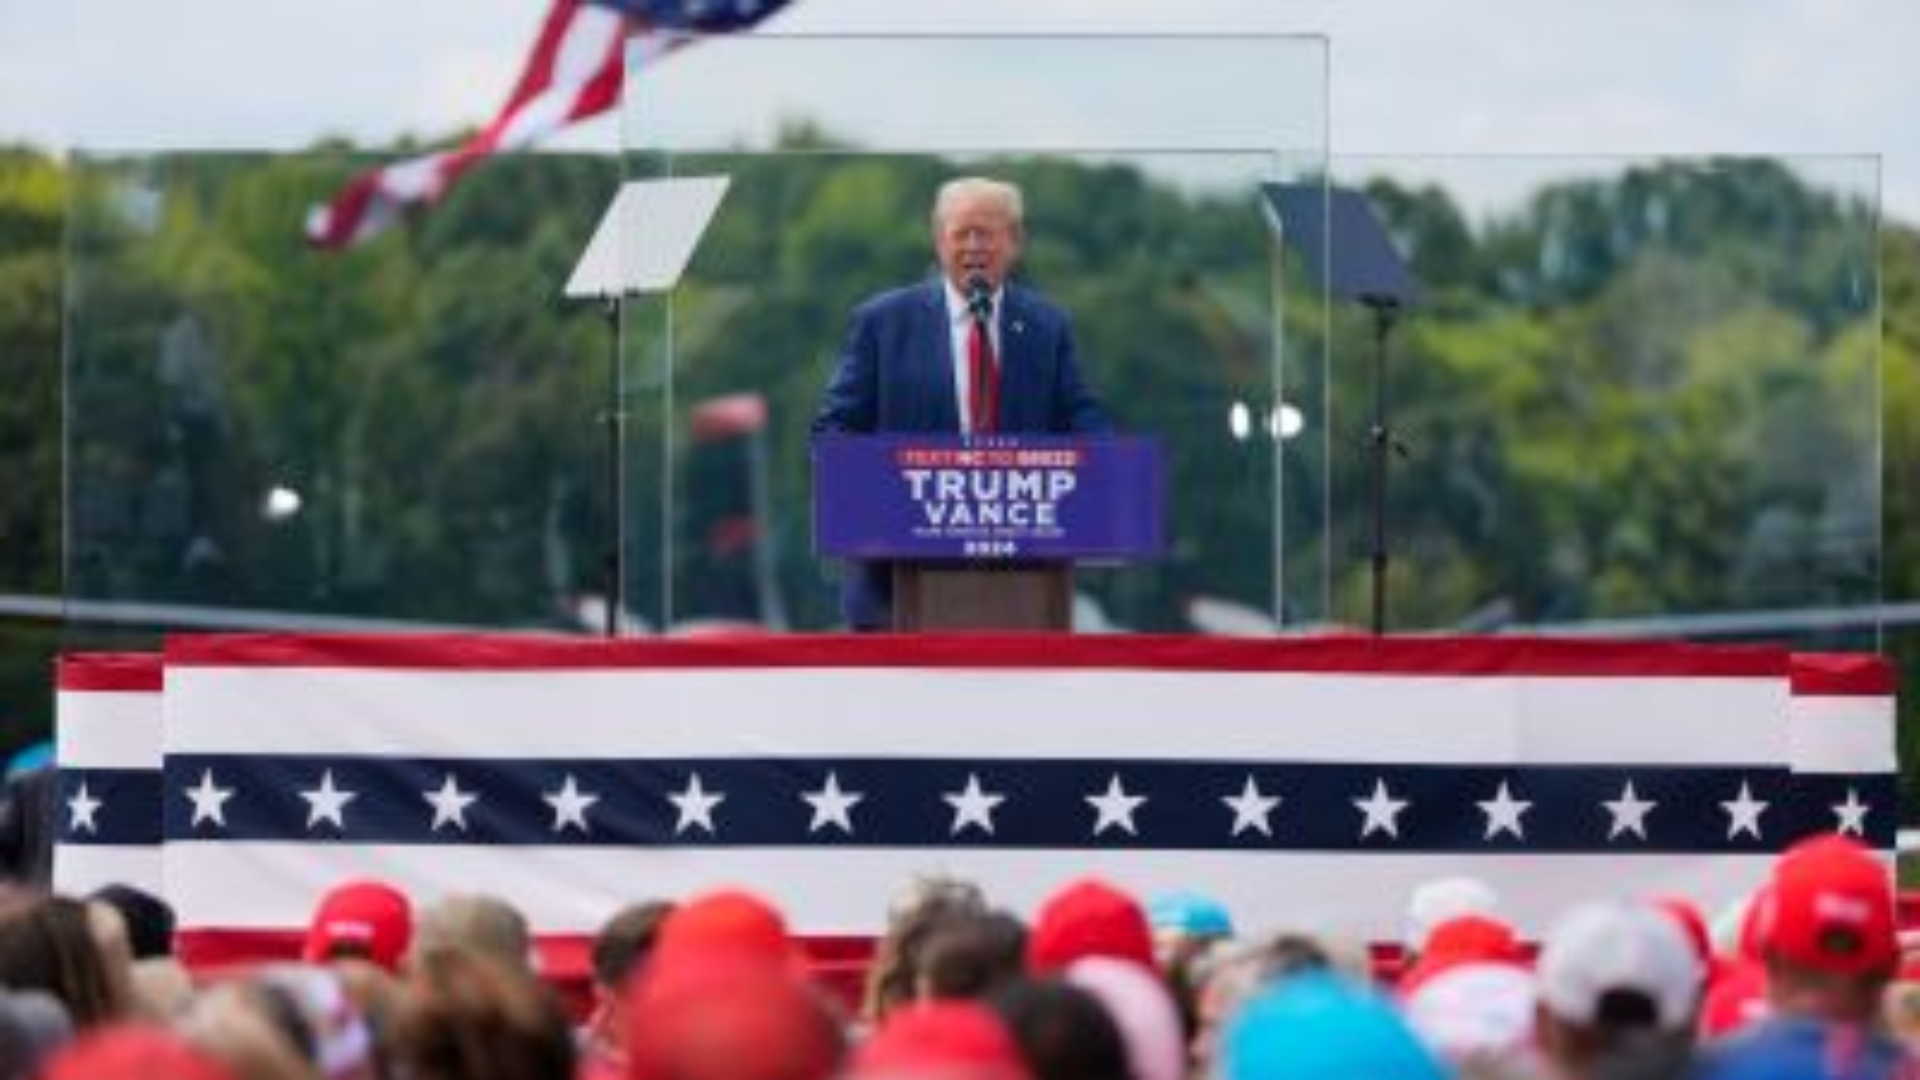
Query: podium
934, 596
983, 532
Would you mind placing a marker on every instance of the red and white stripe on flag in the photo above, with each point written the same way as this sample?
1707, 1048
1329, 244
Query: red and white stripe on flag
574, 73
1303, 781
107, 734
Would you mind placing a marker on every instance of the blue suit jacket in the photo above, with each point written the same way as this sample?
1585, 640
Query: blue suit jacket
895, 374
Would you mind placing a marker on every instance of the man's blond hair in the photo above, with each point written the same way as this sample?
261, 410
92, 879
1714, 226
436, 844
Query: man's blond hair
999, 191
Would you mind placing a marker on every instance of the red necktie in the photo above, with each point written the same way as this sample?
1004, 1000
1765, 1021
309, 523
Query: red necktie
983, 379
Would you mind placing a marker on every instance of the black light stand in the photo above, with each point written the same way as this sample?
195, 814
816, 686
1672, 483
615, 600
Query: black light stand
1344, 246
1383, 444
641, 245
614, 561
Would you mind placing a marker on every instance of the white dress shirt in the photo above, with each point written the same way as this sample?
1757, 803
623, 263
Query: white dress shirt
959, 330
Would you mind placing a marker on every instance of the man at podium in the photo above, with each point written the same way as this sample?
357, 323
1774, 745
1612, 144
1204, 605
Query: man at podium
967, 352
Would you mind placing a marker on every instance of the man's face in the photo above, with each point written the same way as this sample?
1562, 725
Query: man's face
976, 238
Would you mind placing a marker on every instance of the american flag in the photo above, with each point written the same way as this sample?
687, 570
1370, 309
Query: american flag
1302, 782
574, 72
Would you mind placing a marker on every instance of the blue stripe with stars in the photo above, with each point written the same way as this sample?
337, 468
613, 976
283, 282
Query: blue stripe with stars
125, 806
1085, 803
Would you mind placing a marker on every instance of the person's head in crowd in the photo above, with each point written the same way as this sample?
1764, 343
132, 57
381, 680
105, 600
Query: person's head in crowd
620, 948
135, 1053
255, 1030
727, 1015
477, 922
941, 1040
338, 1040
1826, 928
1089, 917
925, 905
729, 923
135, 931
1441, 900
1618, 982
1231, 972
1323, 1027
33, 1025
1900, 1010
367, 920
970, 957
1185, 926
467, 1016
376, 993
162, 990
1477, 1016
1693, 925
624, 941
1736, 994
49, 943
1463, 939
149, 919
1183, 923
1063, 1031
1143, 1008
116, 951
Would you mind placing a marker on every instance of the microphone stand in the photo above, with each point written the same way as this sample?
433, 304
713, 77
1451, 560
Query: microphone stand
1383, 445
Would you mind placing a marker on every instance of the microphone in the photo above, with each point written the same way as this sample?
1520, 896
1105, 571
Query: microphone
979, 298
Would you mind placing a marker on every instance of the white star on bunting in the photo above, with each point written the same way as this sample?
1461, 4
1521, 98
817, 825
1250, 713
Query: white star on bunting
570, 805
1503, 814
1629, 813
1382, 811
1115, 807
1743, 813
831, 806
1852, 815
209, 801
696, 806
449, 804
973, 806
1251, 809
83, 806
327, 803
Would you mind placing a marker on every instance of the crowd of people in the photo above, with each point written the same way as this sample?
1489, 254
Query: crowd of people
1097, 985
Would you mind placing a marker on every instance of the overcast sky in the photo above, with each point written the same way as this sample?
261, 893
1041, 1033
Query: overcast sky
1823, 77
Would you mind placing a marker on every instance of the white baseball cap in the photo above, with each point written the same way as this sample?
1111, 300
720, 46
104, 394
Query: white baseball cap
1437, 901
1612, 947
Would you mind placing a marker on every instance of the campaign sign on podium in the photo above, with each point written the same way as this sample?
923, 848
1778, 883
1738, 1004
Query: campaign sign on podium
988, 498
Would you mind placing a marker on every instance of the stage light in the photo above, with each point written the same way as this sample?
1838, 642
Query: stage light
280, 503
1285, 422
1239, 421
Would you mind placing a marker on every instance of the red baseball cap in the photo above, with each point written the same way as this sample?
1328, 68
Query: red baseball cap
952, 1040
368, 919
1464, 939
728, 1016
724, 923
1686, 915
133, 1052
1089, 918
1830, 908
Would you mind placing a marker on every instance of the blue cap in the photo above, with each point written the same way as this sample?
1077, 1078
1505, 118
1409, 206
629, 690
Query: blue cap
1189, 913
1323, 1027
30, 757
